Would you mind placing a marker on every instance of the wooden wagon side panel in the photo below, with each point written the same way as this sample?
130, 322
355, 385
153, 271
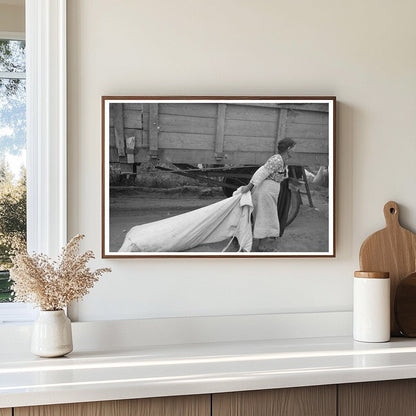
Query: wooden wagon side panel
116, 112
250, 134
127, 136
309, 129
136, 124
211, 133
187, 132
253, 131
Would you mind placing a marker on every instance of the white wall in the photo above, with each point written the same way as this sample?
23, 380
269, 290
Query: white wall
363, 52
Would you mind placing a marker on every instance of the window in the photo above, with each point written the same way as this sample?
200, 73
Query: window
46, 135
12, 154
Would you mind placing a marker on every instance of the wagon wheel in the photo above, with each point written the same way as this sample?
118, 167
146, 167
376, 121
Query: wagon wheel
295, 203
295, 172
288, 204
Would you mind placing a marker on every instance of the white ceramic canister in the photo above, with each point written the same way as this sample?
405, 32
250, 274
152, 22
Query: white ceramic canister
371, 310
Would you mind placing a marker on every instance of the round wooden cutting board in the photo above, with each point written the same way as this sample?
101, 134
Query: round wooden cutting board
393, 250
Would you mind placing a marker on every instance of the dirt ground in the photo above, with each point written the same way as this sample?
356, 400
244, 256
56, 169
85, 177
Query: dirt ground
132, 206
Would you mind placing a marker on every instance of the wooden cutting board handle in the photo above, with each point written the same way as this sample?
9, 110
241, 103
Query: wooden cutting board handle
391, 214
393, 250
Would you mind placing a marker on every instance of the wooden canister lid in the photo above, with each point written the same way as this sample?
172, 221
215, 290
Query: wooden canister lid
372, 275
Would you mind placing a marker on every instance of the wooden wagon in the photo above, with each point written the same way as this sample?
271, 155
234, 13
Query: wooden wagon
221, 143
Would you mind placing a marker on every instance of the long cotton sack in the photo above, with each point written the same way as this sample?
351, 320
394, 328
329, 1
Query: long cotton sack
228, 218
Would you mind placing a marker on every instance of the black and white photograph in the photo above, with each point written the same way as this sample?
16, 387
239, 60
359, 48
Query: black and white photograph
218, 176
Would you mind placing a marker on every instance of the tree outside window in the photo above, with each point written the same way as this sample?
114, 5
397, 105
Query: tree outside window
12, 155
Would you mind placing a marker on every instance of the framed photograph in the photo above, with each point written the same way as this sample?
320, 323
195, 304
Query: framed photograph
218, 177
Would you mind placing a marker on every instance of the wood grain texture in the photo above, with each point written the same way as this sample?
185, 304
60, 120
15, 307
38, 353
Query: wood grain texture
5, 412
219, 132
307, 117
161, 406
245, 112
311, 146
281, 127
187, 124
405, 306
238, 144
130, 144
189, 109
186, 141
302, 107
382, 398
317, 401
248, 144
133, 106
117, 110
250, 128
153, 129
307, 131
241, 130
372, 275
392, 250
133, 119
309, 159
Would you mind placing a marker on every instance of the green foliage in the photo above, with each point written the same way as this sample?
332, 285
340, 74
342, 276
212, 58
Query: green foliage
12, 213
6, 294
12, 98
12, 55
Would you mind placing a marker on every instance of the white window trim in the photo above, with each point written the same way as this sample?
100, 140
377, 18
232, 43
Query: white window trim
13, 75
46, 133
12, 35
46, 125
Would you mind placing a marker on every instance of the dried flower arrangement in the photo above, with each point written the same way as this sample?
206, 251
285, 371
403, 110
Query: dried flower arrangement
53, 285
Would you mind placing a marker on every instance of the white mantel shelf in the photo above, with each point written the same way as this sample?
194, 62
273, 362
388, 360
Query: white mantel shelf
151, 371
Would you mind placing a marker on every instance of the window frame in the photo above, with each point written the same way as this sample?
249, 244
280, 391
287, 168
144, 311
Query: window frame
46, 121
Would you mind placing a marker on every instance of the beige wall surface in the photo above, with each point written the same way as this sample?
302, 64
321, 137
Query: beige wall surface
360, 51
12, 18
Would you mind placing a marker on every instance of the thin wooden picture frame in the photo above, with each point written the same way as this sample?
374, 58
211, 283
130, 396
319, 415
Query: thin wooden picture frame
171, 163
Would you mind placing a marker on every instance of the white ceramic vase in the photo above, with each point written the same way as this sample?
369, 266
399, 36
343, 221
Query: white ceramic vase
52, 334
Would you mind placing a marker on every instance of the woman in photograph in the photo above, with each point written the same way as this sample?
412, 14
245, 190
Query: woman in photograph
265, 187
